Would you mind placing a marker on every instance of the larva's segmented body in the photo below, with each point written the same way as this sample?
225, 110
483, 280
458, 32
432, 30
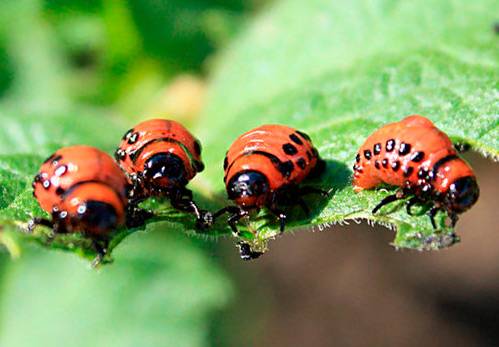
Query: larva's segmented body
160, 157
415, 155
283, 155
265, 167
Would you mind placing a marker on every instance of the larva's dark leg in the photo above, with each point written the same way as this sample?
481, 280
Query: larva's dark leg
187, 206
136, 216
101, 250
32, 224
454, 218
236, 213
57, 226
282, 219
226, 209
411, 202
232, 220
432, 214
389, 199
182, 200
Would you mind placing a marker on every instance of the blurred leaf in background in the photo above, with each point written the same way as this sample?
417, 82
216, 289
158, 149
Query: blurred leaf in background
129, 49
162, 291
67, 70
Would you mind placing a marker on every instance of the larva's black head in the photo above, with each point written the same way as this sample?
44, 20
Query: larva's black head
97, 217
164, 170
462, 194
248, 188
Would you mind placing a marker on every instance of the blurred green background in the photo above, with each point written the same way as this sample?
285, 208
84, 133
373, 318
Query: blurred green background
140, 58
127, 59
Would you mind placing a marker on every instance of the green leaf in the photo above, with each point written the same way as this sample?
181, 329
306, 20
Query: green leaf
345, 70
25, 142
338, 71
161, 291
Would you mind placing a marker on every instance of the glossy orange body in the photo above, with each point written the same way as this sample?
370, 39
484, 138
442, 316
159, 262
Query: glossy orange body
282, 154
405, 154
159, 136
77, 174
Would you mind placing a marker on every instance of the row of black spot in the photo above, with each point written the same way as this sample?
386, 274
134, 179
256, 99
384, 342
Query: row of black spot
59, 171
132, 137
404, 149
423, 173
290, 149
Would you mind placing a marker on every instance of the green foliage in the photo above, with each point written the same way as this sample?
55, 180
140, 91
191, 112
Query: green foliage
357, 66
339, 70
160, 292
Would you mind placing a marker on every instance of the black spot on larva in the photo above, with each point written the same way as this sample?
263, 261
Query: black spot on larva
357, 168
296, 139
55, 160
417, 156
395, 165
404, 149
59, 191
49, 158
34, 194
226, 163
120, 154
301, 163
133, 138
408, 171
377, 148
127, 134
289, 149
61, 170
390, 145
357, 157
309, 155
46, 184
367, 154
302, 134
377, 165
384, 162
286, 168
197, 147
38, 177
